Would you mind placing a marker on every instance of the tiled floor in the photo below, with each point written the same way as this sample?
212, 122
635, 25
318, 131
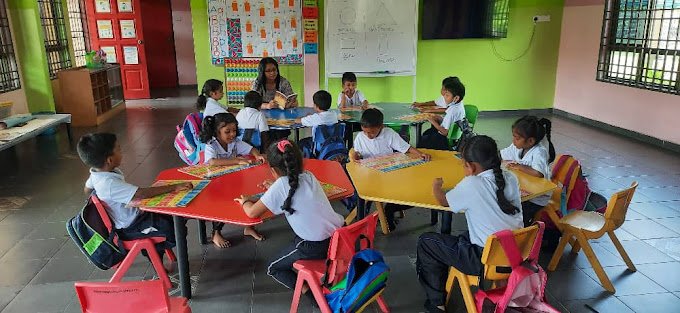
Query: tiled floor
38, 262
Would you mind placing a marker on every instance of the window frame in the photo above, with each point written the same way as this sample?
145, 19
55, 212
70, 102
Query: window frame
55, 36
10, 79
79, 30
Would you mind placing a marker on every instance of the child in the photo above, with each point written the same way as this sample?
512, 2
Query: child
299, 195
438, 105
322, 103
490, 198
212, 92
350, 95
376, 140
531, 154
251, 117
101, 152
222, 147
437, 136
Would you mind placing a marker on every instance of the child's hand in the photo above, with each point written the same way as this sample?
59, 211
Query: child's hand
184, 186
356, 156
260, 159
265, 184
244, 161
364, 106
426, 156
437, 183
242, 199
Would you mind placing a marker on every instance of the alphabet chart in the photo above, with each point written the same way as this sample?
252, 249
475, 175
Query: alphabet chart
391, 162
172, 199
206, 171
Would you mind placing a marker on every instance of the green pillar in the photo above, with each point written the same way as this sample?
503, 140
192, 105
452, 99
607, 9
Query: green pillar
30, 47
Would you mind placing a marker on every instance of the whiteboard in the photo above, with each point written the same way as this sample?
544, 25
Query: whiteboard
371, 37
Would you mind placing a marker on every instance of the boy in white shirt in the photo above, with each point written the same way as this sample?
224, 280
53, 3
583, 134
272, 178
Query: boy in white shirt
350, 95
435, 106
437, 136
322, 103
102, 153
251, 119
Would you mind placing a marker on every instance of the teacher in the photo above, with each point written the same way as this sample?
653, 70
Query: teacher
269, 81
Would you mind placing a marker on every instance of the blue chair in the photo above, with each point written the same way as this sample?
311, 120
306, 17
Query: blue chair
251, 136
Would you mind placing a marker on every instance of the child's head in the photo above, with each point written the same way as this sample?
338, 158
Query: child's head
285, 159
454, 90
252, 99
479, 154
529, 130
349, 81
372, 122
446, 81
212, 88
322, 100
100, 151
268, 70
222, 126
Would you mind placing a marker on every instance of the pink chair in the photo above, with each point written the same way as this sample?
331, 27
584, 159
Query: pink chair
340, 252
148, 296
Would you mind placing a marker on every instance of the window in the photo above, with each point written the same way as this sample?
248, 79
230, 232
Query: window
9, 72
640, 44
56, 43
79, 35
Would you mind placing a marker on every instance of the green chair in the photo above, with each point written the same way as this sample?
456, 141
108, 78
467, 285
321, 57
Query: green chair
471, 113
403, 131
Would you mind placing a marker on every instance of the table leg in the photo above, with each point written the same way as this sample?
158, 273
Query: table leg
201, 232
447, 218
419, 131
361, 209
297, 135
182, 255
69, 133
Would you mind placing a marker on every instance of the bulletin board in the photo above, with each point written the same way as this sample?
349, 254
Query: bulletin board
255, 29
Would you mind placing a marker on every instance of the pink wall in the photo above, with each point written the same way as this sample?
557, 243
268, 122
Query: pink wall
647, 112
184, 42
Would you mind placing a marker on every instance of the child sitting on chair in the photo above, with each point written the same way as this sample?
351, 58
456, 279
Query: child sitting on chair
101, 152
437, 105
437, 136
322, 103
350, 95
250, 117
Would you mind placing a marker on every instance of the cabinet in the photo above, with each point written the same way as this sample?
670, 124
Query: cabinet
91, 96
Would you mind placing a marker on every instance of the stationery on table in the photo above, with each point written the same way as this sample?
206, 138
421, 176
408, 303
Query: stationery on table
391, 162
206, 171
281, 99
172, 199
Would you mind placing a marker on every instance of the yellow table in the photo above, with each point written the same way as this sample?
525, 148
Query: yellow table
413, 185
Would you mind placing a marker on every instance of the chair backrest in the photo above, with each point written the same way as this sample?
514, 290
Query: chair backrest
617, 207
344, 244
471, 112
560, 170
130, 296
251, 136
496, 264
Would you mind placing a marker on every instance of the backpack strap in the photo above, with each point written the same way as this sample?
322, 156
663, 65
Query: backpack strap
102, 212
559, 163
507, 241
324, 131
569, 178
357, 243
536, 248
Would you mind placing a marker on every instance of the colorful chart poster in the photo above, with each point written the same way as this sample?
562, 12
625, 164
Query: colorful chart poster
102, 6
105, 29
110, 54
416, 118
210, 171
329, 189
391, 162
172, 199
124, 5
127, 29
130, 55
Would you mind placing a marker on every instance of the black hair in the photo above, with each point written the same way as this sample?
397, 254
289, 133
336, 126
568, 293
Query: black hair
261, 78
348, 77
483, 150
449, 79
288, 163
210, 85
252, 99
211, 124
95, 148
322, 99
372, 118
455, 87
530, 126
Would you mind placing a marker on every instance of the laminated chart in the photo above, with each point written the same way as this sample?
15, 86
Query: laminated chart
391, 162
329, 189
206, 171
172, 199
416, 118
280, 123
240, 74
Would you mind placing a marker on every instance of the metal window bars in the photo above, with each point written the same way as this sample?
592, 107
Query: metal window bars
80, 37
9, 71
56, 42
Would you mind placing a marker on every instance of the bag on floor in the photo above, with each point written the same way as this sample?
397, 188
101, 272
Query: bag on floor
367, 275
91, 236
187, 141
329, 143
525, 288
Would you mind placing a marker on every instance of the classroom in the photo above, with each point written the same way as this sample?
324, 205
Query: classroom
339, 156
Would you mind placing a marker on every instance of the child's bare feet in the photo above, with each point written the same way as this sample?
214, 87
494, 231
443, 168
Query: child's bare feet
220, 241
250, 231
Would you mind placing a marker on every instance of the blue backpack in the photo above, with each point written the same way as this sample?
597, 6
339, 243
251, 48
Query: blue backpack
329, 143
367, 275
251, 136
187, 141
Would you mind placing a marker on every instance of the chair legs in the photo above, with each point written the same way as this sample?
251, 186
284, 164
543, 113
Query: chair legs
148, 245
623, 253
314, 287
592, 258
380, 207
564, 240
465, 289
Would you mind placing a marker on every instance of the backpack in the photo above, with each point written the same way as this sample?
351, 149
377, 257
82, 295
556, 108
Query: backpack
467, 134
366, 276
251, 136
329, 143
525, 288
187, 141
91, 235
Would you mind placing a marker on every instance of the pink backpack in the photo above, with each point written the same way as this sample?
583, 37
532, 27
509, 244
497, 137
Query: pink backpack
525, 288
187, 141
580, 197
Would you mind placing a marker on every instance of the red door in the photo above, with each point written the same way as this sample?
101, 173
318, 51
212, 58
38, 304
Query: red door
116, 27
160, 43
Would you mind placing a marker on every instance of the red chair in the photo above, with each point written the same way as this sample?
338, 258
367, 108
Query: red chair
149, 296
340, 252
134, 247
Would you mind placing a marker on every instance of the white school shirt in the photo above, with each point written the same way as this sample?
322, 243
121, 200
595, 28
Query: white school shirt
476, 196
386, 142
356, 100
537, 158
250, 118
314, 218
214, 150
321, 118
440, 102
112, 188
454, 113
213, 107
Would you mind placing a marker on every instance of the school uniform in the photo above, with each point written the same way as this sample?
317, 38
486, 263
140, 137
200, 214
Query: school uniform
441, 102
313, 223
357, 99
476, 197
320, 118
129, 222
251, 118
267, 96
537, 158
213, 107
431, 138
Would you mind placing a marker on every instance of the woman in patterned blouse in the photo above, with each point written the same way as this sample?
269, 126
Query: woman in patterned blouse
269, 81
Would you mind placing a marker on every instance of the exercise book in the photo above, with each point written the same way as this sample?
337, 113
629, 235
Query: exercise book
206, 171
391, 162
172, 199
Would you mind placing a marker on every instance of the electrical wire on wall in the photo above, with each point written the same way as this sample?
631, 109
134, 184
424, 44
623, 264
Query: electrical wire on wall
506, 59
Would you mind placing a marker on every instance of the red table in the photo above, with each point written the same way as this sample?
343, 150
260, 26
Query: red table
216, 202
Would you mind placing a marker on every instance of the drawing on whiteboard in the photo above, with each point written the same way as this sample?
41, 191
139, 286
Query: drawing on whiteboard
383, 17
383, 45
348, 16
348, 43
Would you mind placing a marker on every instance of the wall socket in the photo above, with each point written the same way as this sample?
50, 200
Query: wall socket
541, 18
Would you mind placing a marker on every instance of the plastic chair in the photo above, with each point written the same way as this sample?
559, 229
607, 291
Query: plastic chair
134, 247
250, 136
340, 252
586, 225
496, 264
403, 131
149, 296
559, 178
471, 113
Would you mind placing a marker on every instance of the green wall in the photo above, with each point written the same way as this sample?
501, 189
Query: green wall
491, 84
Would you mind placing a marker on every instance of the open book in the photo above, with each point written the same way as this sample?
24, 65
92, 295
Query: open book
280, 99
